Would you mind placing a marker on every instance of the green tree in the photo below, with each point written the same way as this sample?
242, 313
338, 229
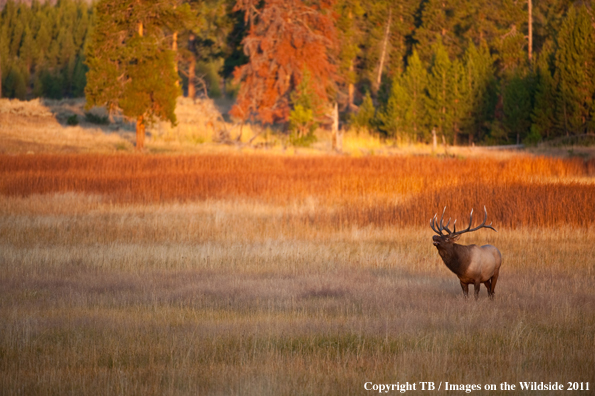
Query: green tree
439, 100
405, 113
517, 106
349, 37
131, 65
416, 82
14, 84
543, 114
365, 118
481, 90
574, 71
395, 115
440, 22
460, 102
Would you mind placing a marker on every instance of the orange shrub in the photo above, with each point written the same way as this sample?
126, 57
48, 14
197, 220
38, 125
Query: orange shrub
520, 191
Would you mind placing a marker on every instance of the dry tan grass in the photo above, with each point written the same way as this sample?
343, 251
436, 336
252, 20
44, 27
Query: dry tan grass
39, 126
241, 297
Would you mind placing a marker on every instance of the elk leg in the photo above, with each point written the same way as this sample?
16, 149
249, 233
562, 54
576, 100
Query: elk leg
488, 284
476, 287
494, 279
465, 288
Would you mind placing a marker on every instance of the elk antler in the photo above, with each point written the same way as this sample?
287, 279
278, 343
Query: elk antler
440, 226
454, 232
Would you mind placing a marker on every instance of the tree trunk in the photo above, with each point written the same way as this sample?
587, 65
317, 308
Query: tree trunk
350, 90
192, 78
434, 140
383, 53
191, 68
350, 87
444, 144
140, 133
530, 6
174, 48
337, 137
140, 121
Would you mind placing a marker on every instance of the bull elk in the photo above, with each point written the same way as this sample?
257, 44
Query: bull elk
473, 264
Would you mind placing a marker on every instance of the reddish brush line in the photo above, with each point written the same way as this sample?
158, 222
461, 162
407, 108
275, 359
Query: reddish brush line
511, 206
375, 190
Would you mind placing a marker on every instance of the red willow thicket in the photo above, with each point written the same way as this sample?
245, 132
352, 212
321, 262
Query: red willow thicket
520, 191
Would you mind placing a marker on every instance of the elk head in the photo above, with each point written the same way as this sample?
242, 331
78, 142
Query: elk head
471, 263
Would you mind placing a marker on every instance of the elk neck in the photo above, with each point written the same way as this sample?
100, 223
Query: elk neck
456, 257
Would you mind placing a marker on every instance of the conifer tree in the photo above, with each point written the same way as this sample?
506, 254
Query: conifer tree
439, 99
395, 115
460, 100
386, 27
365, 118
575, 72
517, 106
307, 111
349, 36
131, 67
543, 115
405, 112
416, 81
440, 20
481, 90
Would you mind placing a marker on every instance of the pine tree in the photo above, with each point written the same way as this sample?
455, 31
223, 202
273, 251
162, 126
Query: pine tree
517, 106
15, 85
460, 100
28, 51
439, 99
543, 114
416, 81
307, 111
131, 67
574, 71
365, 118
511, 44
440, 21
481, 89
405, 112
79, 79
349, 37
394, 117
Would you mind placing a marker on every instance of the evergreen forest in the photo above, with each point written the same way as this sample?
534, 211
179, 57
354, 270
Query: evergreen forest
472, 71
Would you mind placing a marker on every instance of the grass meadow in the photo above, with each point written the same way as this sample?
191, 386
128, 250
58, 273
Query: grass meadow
276, 275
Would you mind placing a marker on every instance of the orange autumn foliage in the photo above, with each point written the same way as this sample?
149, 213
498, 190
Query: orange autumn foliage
517, 192
286, 37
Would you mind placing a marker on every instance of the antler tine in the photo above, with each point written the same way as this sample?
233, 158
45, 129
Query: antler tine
433, 226
446, 226
441, 227
482, 225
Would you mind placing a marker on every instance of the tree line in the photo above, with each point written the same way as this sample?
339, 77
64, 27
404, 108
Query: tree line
471, 71
41, 49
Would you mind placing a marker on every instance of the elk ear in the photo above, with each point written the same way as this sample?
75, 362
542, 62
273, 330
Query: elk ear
454, 238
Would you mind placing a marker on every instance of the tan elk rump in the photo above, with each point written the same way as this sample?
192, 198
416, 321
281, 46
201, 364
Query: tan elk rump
473, 264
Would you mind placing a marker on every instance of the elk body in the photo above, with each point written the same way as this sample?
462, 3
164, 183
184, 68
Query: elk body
473, 264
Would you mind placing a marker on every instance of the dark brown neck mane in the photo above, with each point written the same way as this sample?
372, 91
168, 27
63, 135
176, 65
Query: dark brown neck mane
456, 257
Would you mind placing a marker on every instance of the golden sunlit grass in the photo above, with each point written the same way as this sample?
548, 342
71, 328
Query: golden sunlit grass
296, 282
